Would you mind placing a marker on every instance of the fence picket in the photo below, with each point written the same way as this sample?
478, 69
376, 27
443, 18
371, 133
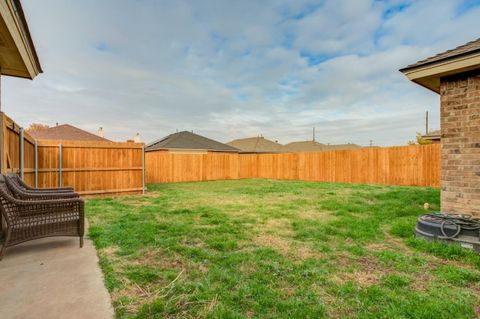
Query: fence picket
416, 165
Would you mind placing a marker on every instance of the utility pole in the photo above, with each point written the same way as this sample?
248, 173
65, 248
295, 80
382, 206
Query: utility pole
426, 123
314, 134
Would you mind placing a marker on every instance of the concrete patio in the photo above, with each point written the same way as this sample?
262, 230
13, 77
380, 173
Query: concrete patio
53, 278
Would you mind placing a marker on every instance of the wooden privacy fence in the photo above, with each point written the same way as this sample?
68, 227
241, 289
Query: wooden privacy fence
91, 167
111, 168
18, 149
417, 165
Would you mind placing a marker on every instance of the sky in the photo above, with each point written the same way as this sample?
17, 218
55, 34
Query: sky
234, 69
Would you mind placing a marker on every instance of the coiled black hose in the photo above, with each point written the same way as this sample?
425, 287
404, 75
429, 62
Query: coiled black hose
461, 222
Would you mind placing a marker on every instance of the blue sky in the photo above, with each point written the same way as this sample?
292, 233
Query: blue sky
233, 69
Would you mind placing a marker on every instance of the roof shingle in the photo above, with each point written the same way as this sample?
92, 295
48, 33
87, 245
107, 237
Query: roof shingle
304, 146
67, 132
189, 141
256, 145
469, 47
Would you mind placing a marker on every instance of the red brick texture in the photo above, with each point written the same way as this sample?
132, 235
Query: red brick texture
460, 126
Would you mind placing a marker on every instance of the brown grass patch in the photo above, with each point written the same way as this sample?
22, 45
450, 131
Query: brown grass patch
314, 214
136, 203
422, 281
288, 248
368, 271
274, 242
362, 278
365, 278
378, 247
138, 295
110, 251
281, 226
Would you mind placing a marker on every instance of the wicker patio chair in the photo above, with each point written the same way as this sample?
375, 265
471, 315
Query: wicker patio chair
34, 219
19, 193
16, 179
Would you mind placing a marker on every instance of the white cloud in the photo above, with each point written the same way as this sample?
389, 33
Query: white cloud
232, 69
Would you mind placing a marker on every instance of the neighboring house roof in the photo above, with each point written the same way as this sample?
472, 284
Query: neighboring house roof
304, 146
256, 145
338, 147
432, 135
66, 132
469, 47
262, 145
429, 71
189, 141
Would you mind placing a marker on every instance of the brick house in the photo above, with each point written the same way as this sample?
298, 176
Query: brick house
455, 75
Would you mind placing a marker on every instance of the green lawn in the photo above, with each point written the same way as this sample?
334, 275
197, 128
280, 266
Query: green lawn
279, 249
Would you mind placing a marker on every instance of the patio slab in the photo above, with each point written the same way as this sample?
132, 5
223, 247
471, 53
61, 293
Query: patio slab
53, 278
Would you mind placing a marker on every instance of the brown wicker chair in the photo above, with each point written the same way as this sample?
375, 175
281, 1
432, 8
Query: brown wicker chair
16, 179
20, 193
33, 219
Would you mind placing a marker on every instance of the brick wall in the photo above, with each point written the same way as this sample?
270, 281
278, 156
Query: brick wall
460, 125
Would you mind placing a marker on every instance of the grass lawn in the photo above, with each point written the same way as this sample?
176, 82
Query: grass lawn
279, 249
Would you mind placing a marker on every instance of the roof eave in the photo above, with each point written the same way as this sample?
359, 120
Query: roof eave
428, 75
189, 149
15, 27
28, 36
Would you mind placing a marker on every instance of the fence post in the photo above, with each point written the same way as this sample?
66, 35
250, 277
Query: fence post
60, 151
22, 154
36, 164
143, 168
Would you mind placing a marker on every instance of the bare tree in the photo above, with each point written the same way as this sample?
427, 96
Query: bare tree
420, 140
36, 127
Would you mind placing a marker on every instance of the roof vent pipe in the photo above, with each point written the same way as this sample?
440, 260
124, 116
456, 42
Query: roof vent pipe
101, 132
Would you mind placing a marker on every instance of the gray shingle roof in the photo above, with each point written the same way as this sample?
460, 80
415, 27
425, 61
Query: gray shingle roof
257, 144
189, 141
67, 132
338, 147
303, 146
469, 47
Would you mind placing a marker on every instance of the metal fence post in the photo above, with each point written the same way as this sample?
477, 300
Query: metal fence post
22, 154
36, 164
143, 168
60, 155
